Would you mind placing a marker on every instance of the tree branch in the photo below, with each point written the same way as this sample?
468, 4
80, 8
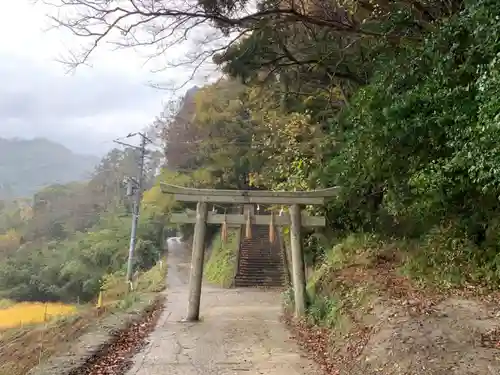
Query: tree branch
164, 23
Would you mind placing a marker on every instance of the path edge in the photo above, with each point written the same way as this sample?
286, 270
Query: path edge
95, 342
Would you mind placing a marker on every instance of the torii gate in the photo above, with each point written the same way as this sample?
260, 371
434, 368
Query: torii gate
295, 218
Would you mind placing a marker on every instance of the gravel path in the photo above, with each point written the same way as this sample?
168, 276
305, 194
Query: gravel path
240, 333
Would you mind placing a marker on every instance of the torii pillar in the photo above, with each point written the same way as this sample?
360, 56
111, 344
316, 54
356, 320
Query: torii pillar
295, 219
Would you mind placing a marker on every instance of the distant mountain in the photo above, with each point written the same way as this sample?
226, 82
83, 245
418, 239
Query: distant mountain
29, 165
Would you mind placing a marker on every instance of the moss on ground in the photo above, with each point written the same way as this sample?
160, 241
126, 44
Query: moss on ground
221, 265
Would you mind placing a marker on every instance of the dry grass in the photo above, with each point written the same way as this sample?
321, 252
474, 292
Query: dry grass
21, 349
21, 314
24, 347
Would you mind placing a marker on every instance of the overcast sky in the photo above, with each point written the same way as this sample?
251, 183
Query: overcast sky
86, 110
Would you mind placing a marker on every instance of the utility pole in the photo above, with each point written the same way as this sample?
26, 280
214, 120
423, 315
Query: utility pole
137, 200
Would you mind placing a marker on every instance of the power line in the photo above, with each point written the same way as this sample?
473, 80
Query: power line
138, 182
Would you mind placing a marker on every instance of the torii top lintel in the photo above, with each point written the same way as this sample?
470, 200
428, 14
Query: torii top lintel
185, 194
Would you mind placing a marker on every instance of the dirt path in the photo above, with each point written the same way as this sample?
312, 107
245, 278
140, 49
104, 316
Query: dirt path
240, 333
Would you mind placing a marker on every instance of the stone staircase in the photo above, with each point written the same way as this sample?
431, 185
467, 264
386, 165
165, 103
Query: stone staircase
260, 263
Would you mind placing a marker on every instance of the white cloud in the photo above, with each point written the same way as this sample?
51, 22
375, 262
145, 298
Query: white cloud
28, 32
85, 110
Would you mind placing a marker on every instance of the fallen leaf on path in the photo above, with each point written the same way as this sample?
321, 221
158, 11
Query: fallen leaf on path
117, 358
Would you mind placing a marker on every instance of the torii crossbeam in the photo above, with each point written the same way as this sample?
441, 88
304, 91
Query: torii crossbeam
296, 219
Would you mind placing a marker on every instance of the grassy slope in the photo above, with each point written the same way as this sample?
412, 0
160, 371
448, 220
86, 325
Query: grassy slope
352, 273
363, 277
221, 265
362, 265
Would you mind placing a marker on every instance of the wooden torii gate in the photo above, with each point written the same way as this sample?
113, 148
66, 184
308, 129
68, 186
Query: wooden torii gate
295, 219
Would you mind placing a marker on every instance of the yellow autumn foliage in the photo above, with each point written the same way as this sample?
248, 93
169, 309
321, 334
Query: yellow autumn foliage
9, 241
31, 313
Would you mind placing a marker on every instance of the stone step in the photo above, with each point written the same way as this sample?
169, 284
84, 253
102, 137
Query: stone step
256, 256
254, 283
266, 254
267, 266
274, 281
260, 275
259, 248
260, 262
261, 265
251, 284
260, 271
260, 252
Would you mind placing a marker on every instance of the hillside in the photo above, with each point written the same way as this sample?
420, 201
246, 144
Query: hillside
28, 165
64, 245
178, 152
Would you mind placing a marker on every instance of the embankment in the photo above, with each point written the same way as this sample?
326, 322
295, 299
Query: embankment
64, 345
369, 315
221, 264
